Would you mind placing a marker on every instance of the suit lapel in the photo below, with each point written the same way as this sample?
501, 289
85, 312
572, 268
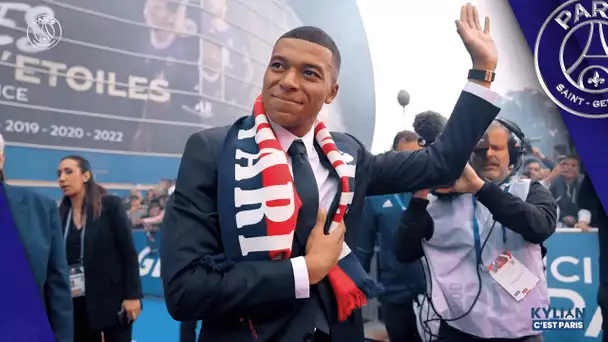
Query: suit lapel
333, 174
90, 235
18, 206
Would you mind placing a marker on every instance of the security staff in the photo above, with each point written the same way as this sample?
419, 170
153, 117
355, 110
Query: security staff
490, 224
401, 282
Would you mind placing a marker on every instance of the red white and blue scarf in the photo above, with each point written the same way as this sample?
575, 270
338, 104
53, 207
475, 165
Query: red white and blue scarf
258, 204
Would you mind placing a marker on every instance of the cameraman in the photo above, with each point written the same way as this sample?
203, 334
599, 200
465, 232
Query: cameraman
472, 230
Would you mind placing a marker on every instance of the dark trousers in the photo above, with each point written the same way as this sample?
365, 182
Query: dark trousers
400, 322
602, 301
187, 331
447, 333
83, 332
318, 336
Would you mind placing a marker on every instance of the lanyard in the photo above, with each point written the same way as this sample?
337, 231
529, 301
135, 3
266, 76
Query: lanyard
67, 230
400, 202
476, 234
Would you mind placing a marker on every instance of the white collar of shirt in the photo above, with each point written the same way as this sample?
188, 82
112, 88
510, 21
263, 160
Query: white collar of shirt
285, 139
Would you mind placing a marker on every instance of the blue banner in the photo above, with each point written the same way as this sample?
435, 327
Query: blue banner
149, 262
567, 38
573, 278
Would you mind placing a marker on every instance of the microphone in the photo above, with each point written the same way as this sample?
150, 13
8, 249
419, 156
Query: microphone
428, 125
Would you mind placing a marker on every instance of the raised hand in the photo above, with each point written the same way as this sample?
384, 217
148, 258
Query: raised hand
478, 41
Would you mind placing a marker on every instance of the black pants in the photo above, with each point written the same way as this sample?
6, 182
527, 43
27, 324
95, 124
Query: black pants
83, 332
449, 334
187, 331
317, 336
400, 322
602, 301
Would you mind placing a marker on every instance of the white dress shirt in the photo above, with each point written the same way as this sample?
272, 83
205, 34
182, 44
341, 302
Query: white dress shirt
328, 186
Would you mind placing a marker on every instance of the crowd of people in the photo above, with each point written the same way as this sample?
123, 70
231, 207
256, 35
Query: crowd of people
562, 174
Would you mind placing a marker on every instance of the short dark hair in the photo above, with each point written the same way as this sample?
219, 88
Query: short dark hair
573, 156
316, 36
93, 191
406, 136
532, 161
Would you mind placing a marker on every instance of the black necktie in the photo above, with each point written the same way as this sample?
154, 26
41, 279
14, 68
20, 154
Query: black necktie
306, 186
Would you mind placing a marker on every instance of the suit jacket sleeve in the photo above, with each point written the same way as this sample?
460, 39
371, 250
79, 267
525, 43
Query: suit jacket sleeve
534, 219
587, 198
416, 224
368, 233
442, 162
57, 286
123, 234
193, 290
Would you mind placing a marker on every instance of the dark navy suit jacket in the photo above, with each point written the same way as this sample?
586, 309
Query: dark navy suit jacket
379, 222
263, 292
37, 220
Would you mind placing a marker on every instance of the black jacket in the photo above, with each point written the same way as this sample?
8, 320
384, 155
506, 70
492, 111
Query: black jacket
263, 291
534, 219
588, 199
111, 267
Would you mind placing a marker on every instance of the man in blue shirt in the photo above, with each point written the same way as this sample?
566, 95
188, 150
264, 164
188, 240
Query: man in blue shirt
401, 282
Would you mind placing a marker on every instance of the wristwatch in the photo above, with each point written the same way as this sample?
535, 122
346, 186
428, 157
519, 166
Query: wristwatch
481, 75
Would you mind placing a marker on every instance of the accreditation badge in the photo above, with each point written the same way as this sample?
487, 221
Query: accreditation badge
77, 280
512, 275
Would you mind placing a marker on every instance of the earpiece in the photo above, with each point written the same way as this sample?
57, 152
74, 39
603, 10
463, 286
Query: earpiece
517, 145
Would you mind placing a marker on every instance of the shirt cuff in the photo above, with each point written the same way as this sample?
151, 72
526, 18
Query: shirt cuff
483, 92
300, 277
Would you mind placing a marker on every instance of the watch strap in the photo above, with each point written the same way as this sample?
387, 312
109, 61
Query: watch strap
481, 75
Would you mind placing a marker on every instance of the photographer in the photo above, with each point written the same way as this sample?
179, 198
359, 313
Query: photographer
469, 232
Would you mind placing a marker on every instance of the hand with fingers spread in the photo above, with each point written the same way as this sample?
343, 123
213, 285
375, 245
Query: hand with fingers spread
478, 41
323, 250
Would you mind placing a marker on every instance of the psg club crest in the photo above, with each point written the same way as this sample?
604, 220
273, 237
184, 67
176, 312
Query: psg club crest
571, 57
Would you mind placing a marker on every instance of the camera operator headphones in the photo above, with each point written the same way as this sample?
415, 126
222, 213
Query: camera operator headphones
518, 145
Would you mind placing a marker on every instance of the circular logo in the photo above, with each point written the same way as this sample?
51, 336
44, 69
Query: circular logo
571, 58
44, 32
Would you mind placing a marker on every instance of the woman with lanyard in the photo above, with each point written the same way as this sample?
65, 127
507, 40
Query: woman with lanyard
104, 269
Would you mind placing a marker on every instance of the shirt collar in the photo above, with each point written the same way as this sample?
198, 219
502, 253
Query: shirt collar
285, 138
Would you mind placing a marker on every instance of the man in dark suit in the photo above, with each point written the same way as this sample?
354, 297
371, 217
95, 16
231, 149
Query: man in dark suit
37, 221
588, 200
292, 299
402, 282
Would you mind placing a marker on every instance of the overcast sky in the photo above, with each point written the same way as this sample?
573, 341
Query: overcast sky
414, 46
